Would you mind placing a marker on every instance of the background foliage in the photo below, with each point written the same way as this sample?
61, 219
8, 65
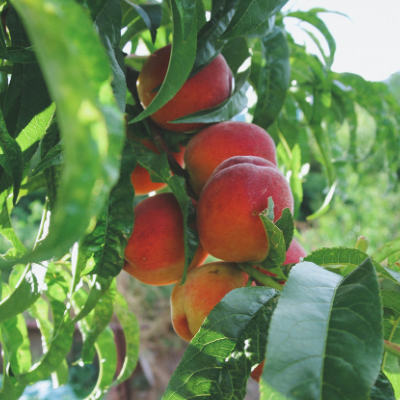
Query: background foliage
67, 203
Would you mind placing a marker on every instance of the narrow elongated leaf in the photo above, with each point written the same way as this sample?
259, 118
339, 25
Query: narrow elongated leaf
387, 250
6, 229
235, 52
312, 18
209, 43
40, 311
99, 286
107, 354
250, 14
326, 334
187, 11
295, 180
225, 110
131, 328
273, 79
103, 312
19, 344
109, 25
276, 244
206, 369
60, 346
183, 54
286, 224
151, 15
27, 95
55, 156
25, 293
108, 240
11, 156
89, 119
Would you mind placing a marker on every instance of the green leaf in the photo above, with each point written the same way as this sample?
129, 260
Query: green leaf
6, 229
99, 286
114, 226
339, 256
60, 345
54, 156
325, 336
190, 237
107, 354
325, 205
108, 23
225, 110
236, 52
25, 293
209, 42
11, 157
207, 369
276, 244
18, 344
187, 11
151, 15
131, 328
91, 124
387, 250
183, 54
312, 18
273, 79
295, 181
382, 389
250, 14
286, 225
103, 312
27, 95
40, 311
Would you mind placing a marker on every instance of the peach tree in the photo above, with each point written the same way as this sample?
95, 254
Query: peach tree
68, 107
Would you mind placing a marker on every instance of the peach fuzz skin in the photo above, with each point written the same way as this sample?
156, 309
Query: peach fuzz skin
140, 177
208, 88
229, 206
216, 143
203, 289
155, 252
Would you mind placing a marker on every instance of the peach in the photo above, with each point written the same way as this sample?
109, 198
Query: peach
140, 177
155, 251
216, 143
203, 289
229, 206
206, 89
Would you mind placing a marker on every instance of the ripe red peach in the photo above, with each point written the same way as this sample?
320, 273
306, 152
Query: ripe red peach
206, 89
155, 251
229, 206
203, 289
216, 143
140, 177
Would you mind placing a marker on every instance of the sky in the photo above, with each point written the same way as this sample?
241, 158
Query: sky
367, 43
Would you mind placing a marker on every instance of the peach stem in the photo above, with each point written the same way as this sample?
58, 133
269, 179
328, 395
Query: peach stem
391, 348
259, 276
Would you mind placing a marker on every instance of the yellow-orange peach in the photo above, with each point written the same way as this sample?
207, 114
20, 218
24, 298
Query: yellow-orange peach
216, 143
140, 177
229, 206
203, 289
206, 89
155, 251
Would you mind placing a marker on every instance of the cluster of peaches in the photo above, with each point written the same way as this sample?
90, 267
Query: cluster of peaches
232, 168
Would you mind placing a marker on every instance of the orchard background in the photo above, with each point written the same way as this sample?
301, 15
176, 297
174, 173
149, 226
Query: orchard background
67, 312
